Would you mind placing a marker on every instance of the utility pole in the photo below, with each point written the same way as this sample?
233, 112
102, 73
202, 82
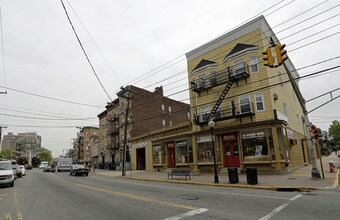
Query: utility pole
126, 94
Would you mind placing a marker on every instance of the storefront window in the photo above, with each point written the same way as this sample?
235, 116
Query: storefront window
182, 152
280, 140
285, 142
158, 154
254, 145
205, 149
271, 143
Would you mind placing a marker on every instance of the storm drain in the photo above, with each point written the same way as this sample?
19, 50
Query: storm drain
189, 197
292, 189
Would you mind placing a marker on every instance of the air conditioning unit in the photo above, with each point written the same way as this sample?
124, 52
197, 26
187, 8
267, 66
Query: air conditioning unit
293, 142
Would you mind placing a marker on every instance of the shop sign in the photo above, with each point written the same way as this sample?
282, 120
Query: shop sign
290, 134
253, 135
203, 138
181, 143
229, 137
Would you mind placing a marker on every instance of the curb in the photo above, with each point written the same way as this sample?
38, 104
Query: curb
274, 188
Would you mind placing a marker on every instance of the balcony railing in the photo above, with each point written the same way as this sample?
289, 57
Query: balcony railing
233, 73
246, 110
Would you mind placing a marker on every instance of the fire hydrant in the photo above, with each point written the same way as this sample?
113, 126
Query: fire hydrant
331, 166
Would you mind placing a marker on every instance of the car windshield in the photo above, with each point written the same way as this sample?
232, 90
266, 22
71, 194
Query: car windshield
5, 166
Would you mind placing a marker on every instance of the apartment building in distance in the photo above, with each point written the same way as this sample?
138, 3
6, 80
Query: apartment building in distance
143, 111
256, 113
25, 144
82, 144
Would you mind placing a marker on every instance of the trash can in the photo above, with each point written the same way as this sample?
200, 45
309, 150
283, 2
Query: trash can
331, 166
252, 175
233, 175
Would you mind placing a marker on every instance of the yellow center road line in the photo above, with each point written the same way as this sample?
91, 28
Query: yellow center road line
17, 206
8, 216
130, 196
136, 197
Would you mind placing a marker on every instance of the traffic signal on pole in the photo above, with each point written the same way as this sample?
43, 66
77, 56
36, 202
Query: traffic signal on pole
314, 132
280, 53
268, 57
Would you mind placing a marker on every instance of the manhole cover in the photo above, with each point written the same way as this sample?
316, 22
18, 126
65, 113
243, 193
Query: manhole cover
189, 197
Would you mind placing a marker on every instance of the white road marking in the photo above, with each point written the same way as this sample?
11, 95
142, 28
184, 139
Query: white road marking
278, 209
187, 214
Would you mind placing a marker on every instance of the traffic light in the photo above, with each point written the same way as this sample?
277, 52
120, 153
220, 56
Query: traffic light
280, 53
268, 57
314, 132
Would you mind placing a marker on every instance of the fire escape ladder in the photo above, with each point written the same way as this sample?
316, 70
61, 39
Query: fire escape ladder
219, 101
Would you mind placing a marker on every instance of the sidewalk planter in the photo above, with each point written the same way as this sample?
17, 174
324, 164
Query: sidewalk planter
252, 175
233, 175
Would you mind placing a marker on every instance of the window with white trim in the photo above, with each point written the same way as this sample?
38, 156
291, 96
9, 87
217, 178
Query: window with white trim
254, 64
163, 123
245, 106
170, 111
240, 67
170, 123
259, 102
205, 112
163, 109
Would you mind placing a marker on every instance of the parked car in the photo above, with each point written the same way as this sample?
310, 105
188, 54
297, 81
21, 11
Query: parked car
7, 174
28, 166
49, 169
16, 168
79, 169
23, 170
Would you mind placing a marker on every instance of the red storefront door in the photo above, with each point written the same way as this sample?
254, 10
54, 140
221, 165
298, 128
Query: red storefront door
231, 151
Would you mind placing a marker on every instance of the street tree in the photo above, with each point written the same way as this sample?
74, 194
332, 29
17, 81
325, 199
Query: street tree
7, 153
334, 132
45, 154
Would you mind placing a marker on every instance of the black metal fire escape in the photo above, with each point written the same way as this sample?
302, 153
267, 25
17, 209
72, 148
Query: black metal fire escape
220, 99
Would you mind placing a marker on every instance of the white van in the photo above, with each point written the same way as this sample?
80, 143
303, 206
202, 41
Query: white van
43, 164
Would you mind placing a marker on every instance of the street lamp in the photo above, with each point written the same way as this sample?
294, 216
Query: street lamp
211, 125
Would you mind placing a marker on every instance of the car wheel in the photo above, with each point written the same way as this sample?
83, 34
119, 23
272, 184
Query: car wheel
70, 174
12, 184
86, 174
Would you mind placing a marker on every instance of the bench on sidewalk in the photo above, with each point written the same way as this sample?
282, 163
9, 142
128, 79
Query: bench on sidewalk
178, 172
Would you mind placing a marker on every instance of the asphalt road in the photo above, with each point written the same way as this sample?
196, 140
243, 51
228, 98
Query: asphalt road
43, 196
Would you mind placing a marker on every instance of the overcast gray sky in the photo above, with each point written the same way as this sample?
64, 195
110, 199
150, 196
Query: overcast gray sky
41, 57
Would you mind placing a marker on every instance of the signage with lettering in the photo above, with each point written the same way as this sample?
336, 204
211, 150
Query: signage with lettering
229, 137
254, 134
203, 138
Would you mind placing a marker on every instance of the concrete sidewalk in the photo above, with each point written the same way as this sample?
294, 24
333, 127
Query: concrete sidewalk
297, 180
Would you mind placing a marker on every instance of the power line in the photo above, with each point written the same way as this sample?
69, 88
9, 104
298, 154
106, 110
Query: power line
81, 45
53, 119
318, 14
203, 44
46, 97
94, 43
